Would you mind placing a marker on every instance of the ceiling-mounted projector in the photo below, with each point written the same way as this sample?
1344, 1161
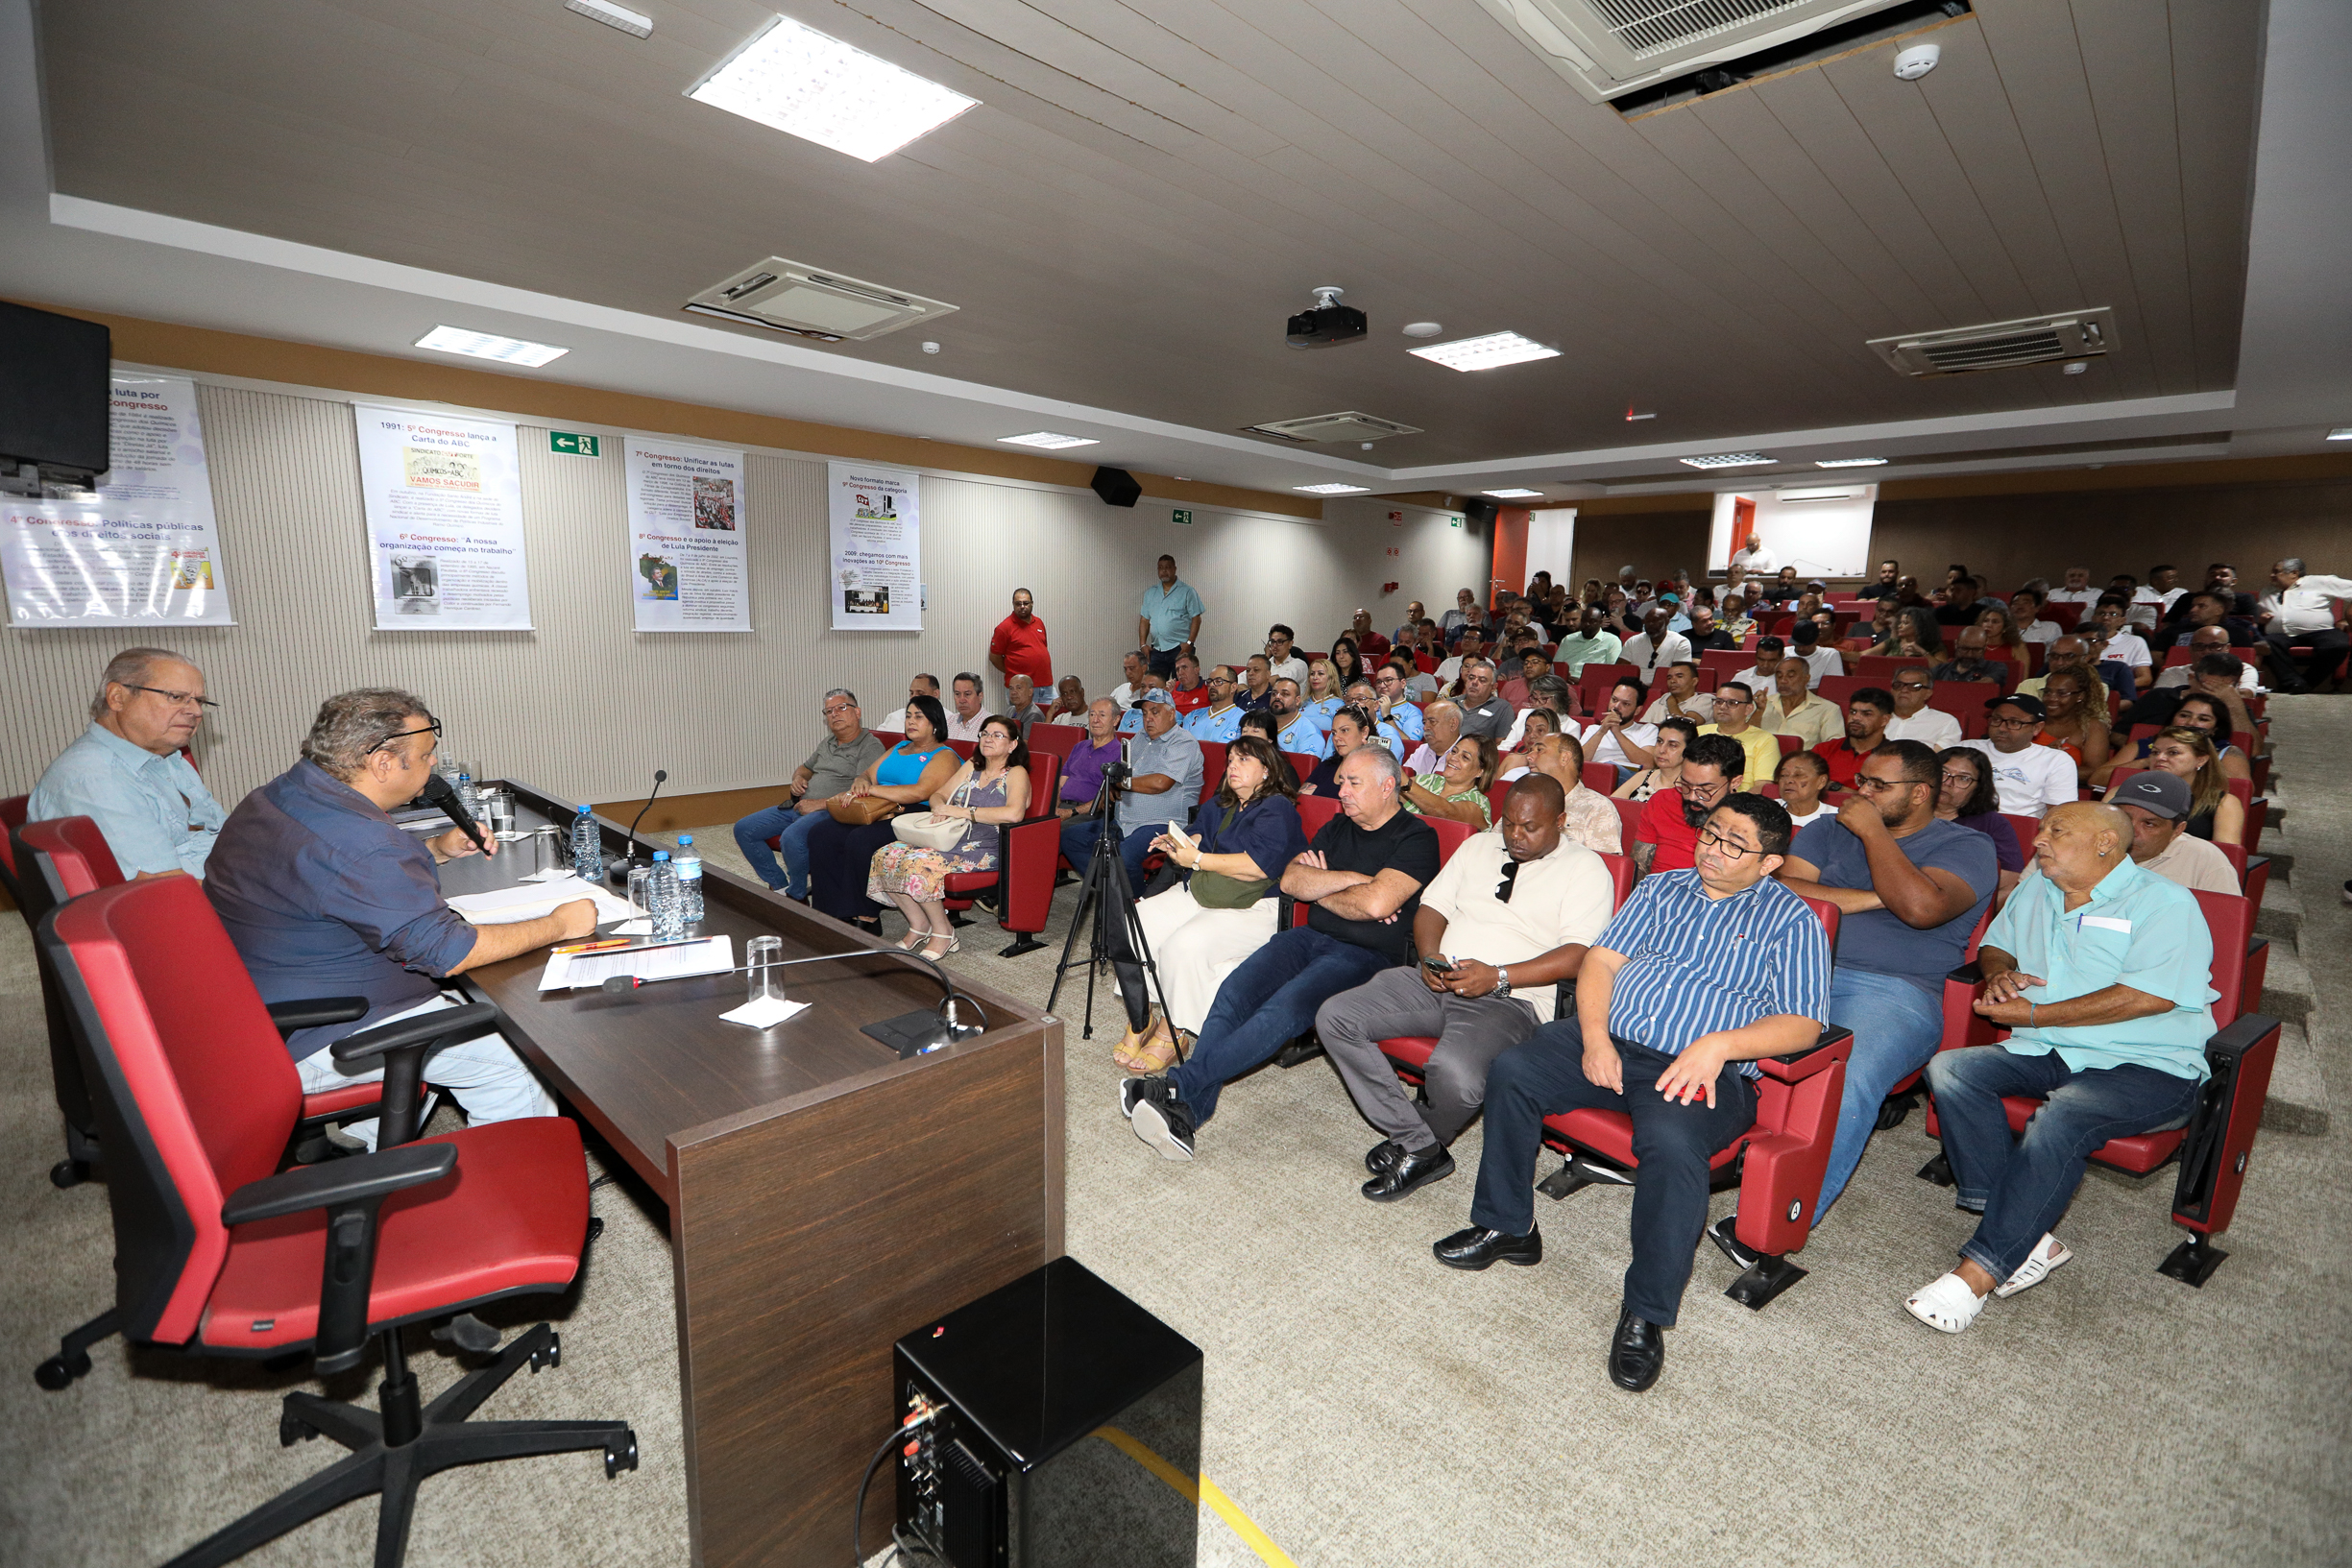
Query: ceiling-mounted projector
1329, 321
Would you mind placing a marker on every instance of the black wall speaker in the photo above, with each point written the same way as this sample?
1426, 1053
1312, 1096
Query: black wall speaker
1479, 510
1116, 486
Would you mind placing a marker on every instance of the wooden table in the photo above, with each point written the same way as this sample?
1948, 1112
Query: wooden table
824, 1197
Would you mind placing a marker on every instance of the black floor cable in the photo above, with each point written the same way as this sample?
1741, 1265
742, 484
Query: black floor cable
857, 1520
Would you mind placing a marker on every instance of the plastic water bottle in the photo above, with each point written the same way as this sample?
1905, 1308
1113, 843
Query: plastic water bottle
587, 849
668, 917
690, 880
468, 796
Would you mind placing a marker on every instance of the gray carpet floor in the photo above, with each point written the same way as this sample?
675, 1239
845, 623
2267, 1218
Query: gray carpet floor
1365, 1406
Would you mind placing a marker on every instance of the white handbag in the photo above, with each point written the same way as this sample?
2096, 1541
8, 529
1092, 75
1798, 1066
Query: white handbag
929, 829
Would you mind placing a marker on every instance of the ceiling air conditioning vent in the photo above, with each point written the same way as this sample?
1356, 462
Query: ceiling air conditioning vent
2074, 335
796, 298
1608, 48
1348, 426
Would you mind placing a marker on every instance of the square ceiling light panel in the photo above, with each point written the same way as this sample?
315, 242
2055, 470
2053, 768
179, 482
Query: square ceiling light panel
804, 83
456, 340
1051, 439
1728, 460
1490, 352
1334, 490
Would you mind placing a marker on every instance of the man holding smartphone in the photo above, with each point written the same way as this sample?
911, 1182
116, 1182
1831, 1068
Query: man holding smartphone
1507, 920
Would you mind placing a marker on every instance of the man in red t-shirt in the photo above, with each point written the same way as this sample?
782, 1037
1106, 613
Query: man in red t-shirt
1188, 689
1018, 648
1371, 646
1666, 839
1867, 711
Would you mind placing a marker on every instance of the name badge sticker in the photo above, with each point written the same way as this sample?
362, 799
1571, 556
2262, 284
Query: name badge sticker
2107, 923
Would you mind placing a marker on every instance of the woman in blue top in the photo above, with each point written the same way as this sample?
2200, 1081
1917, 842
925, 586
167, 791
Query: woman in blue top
1200, 931
908, 773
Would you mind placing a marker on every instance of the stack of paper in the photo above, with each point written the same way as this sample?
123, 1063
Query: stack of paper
530, 901
712, 955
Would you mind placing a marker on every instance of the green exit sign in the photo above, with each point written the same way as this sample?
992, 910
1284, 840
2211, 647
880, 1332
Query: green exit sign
571, 446
1183, 516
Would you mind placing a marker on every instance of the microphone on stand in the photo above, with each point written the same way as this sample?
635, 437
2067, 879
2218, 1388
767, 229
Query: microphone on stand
437, 793
910, 1034
661, 777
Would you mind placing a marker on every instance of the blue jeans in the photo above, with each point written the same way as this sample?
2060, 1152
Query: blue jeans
1273, 997
1077, 836
1543, 1075
2022, 1187
1896, 1027
751, 837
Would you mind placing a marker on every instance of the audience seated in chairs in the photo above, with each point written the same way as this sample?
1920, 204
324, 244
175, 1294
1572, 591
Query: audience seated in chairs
1163, 787
1511, 913
1668, 834
1021, 702
1616, 735
323, 896
1070, 702
841, 846
1459, 792
1910, 890
1441, 728
1363, 875
1351, 727
2031, 777
1681, 697
989, 790
1735, 718
126, 773
1912, 687
1483, 712
2100, 971
2158, 805
1590, 819
1796, 708
1665, 767
847, 750
922, 686
1220, 718
1294, 730
2215, 814
1703, 969
1867, 711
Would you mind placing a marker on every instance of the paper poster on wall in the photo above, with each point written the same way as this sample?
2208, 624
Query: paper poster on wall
876, 547
688, 571
1822, 530
142, 549
443, 498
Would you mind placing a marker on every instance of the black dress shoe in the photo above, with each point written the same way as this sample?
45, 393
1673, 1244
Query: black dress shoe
1414, 1169
1383, 1154
1636, 1352
1478, 1246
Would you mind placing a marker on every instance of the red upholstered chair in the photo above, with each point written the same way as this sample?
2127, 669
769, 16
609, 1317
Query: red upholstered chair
1301, 764
218, 1252
1600, 776
1964, 700
1776, 1165
1025, 880
1726, 663
13, 811
2065, 614
1789, 743
1840, 688
2026, 829
2257, 813
1496, 793
1056, 739
1629, 820
2215, 1146
1315, 811
888, 737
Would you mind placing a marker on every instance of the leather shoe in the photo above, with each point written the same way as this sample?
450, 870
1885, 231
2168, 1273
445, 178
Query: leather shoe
1478, 1248
1383, 1154
1414, 1169
1636, 1352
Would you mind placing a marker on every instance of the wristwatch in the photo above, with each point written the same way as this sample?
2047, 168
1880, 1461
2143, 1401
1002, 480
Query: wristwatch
1502, 983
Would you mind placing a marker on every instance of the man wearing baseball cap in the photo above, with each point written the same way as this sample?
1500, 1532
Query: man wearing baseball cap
2030, 778
2158, 805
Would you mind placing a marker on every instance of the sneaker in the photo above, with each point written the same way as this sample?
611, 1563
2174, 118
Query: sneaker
1162, 1118
2347, 892
1131, 1090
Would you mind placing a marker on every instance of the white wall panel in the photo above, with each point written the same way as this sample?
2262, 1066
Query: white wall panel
586, 707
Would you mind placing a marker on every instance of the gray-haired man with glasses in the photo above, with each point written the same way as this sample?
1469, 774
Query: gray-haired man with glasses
126, 772
838, 760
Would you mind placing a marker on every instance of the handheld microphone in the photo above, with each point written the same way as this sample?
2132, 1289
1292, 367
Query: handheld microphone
910, 1033
437, 793
661, 777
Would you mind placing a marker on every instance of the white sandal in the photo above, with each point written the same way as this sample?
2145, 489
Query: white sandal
2048, 1254
1948, 1305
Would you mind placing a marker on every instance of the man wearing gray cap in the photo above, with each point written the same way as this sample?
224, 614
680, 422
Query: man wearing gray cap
2158, 805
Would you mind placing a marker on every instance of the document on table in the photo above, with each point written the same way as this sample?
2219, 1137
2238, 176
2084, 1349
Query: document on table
712, 955
529, 901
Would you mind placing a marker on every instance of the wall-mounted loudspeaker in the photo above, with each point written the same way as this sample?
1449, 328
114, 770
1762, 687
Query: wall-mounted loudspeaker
1116, 486
1477, 508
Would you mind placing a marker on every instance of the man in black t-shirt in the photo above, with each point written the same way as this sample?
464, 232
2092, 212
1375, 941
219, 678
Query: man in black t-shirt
1363, 875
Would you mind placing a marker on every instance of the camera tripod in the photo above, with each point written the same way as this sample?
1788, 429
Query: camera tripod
1116, 936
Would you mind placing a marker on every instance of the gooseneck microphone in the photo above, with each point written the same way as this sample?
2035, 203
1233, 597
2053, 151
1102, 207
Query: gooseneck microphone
437, 793
661, 777
949, 1024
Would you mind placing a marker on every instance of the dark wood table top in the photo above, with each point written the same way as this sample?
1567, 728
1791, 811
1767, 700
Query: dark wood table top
649, 1066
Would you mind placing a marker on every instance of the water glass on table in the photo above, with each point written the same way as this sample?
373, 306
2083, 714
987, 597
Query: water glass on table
760, 982
640, 892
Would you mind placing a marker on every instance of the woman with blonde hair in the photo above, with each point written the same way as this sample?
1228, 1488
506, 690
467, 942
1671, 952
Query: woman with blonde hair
1458, 793
990, 789
1322, 697
2214, 811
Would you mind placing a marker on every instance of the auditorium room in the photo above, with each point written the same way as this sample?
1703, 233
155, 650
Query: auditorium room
687, 682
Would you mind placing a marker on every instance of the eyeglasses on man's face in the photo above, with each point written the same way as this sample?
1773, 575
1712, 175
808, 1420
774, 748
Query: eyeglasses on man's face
1701, 791
1870, 785
834, 710
176, 699
1731, 849
432, 728
1998, 723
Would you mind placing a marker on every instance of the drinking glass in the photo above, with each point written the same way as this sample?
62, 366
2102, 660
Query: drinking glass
641, 891
499, 808
761, 982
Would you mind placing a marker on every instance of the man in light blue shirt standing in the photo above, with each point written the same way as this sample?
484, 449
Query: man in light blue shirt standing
126, 773
2100, 970
1167, 620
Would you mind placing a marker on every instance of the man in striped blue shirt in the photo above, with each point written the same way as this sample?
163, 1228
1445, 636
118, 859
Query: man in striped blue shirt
1703, 968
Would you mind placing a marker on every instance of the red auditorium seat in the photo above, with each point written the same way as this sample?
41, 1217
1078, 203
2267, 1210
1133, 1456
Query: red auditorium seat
1601, 778
2215, 1146
1026, 856
1628, 819
2026, 829
1057, 739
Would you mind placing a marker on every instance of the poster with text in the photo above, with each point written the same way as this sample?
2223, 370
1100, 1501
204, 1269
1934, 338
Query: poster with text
140, 550
444, 522
688, 571
876, 547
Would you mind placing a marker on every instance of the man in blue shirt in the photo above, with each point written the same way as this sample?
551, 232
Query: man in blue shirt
325, 895
126, 773
1294, 730
1168, 620
1910, 890
2100, 970
1711, 966
1221, 719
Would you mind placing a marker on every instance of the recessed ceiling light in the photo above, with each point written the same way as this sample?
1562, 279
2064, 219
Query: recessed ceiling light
1513, 494
1423, 329
1490, 352
809, 84
1728, 460
1051, 438
1850, 463
611, 16
456, 340
2343, 432
1335, 490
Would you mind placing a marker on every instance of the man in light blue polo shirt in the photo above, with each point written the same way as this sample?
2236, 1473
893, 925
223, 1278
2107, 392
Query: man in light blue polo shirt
1293, 728
126, 773
1167, 620
1221, 720
2099, 969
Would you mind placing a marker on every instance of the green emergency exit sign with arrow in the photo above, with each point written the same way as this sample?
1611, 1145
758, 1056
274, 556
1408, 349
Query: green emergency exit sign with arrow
571, 446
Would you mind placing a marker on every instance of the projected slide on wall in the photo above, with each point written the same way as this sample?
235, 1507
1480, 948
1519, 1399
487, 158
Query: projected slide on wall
1822, 530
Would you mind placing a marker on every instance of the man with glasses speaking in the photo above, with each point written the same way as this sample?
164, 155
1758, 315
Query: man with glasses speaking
323, 896
126, 773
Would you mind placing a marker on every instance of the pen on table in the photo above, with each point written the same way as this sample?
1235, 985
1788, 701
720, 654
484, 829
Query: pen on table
592, 947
